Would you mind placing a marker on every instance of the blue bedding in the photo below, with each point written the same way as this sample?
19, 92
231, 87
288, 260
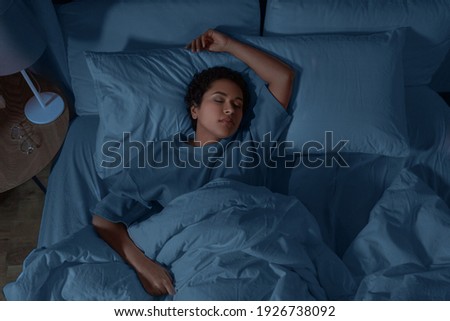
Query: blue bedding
225, 241
232, 241
402, 253
375, 230
73, 185
338, 199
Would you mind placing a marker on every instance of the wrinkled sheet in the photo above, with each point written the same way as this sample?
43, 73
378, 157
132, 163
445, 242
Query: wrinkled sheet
403, 252
225, 241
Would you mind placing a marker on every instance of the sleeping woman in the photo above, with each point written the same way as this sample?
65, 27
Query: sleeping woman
216, 100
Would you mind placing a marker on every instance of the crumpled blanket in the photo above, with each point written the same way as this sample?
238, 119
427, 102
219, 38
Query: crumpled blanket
224, 241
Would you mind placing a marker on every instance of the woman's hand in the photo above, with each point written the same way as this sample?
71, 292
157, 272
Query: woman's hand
210, 40
155, 279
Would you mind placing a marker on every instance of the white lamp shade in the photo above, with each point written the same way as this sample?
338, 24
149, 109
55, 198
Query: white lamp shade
21, 42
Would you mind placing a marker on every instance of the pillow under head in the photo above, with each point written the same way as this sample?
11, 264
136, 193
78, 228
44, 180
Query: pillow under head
348, 86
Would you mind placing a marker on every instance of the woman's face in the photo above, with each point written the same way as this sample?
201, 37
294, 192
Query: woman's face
220, 112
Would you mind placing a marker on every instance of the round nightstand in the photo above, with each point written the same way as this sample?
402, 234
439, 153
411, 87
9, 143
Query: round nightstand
26, 148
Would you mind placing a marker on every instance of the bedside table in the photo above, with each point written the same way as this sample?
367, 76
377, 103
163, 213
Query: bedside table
26, 148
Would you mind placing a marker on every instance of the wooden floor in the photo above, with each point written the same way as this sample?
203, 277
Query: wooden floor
20, 216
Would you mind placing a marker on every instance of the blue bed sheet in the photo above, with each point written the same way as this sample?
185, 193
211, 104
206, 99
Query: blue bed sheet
73, 185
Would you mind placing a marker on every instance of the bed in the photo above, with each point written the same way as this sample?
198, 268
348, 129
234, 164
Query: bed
357, 206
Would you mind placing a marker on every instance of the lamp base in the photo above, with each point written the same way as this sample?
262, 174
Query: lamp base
54, 107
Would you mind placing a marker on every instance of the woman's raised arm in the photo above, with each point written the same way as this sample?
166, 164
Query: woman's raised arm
278, 75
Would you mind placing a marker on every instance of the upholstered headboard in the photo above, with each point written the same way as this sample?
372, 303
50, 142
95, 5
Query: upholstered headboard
440, 81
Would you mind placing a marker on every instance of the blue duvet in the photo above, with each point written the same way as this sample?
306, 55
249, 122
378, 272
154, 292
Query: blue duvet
232, 241
224, 241
403, 252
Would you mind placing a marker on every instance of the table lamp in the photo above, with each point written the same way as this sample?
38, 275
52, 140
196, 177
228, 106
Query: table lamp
21, 45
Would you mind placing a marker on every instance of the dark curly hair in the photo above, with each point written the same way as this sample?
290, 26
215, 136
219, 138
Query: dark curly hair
202, 81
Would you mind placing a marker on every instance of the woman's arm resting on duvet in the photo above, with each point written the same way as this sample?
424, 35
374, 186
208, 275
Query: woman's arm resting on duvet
278, 75
155, 279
